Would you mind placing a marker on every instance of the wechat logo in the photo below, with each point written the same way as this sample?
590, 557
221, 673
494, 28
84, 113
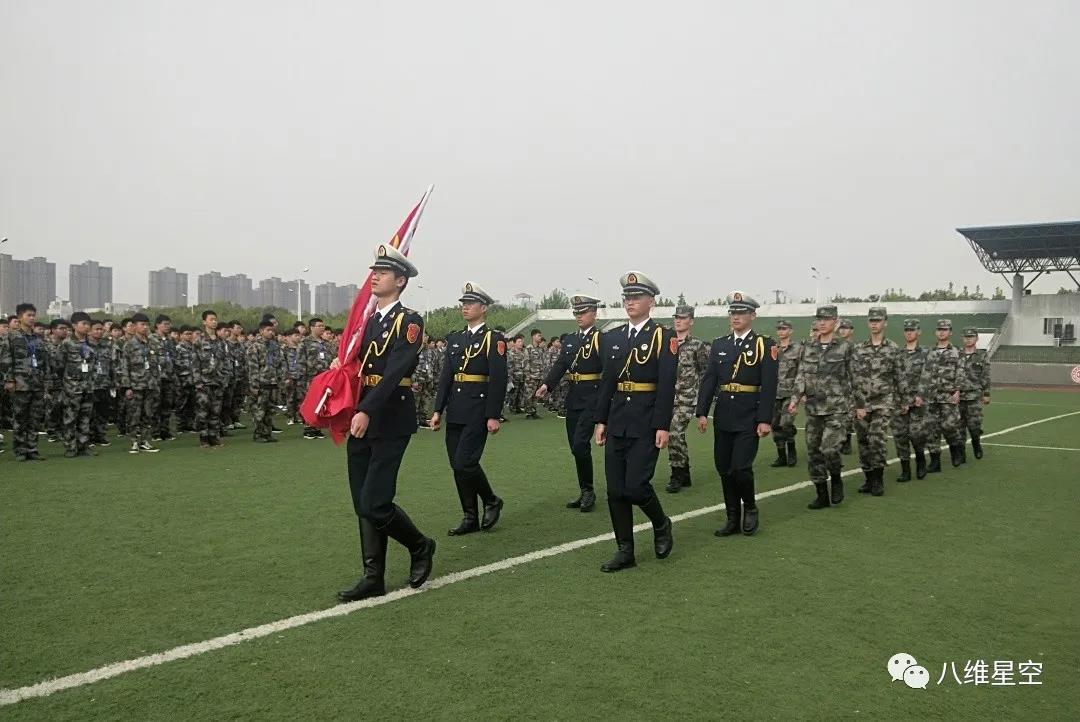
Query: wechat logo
903, 667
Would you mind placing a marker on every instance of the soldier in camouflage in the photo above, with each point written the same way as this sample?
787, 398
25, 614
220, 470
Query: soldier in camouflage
210, 374
515, 362
77, 359
140, 377
59, 330
162, 428
845, 330
789, 352
318, 355
120, 406
880, 387
824, 384
535, 365
265, 370
693, 360
185, 385
229, 373
103, 384
236, 342
424, 382
25, 369
939, 388
909, 427
294, 377
974, 390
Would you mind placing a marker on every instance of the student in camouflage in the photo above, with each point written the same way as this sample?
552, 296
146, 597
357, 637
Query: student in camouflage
25, 370
236, 343
880, 387
185, 385
77, 359
824, 384
210, 374
295, 371
140, 377
789, 352
103, 384
535, 365
910, 427
228, 372
940, 389
318, 355
265, 371
424, 382
845, 330
974, 390
515, 361
162, 428
59, 330
693, 360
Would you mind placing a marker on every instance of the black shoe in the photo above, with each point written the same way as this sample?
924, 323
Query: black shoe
663, 539
920, 465
421, 563
86, 452
956, 455
866, 485
976, 446
492, 512
905, 470
576, 503
468, 525
588, 500
781, 457
750, 521
401, 529
623, 559
686, 484
70, 454
877, 487
373, 553
364, 589
837, 488
822, 499
674, 486
792, 456
935, 462
845, 445
732, 525
962, 448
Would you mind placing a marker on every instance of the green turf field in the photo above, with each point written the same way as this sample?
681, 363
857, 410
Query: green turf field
114, 558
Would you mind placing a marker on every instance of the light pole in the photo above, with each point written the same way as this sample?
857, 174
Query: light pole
191, 306
595, 283
299, 286
817, 276
427, 300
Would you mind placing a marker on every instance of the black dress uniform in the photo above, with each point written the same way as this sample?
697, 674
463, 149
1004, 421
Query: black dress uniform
742, 377
635, 400
472, 389
387, 356
582, 361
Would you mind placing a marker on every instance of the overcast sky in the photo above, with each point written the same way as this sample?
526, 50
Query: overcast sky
710, 145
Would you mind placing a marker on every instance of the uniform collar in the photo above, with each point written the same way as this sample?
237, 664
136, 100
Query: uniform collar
749, 332
475, 329
380, 315
631, 327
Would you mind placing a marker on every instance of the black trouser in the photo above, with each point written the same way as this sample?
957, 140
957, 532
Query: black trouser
373, 469
629, 465
165, 410
579, 433
734, 452
464, 447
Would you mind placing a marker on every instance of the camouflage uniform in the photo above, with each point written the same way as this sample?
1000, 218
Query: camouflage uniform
167, 396
424, 378
880, 388
140, 372
910, 428
210, 373
515, 362
78, 359
5, 398
318, 355
294, 373
265, 370
120, 404
535, 363
183, 363
54, 400
104, 390
939, 382
974, 387
27, 367
238, 384
849, 422
825, 380
693, 360
783, 421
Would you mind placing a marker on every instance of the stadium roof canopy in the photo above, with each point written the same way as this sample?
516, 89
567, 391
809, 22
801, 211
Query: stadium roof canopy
1039, 247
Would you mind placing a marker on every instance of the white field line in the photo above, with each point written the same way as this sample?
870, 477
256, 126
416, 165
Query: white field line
1044, 448
51, 686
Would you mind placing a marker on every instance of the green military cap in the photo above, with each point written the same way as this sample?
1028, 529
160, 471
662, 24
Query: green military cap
739, 302
472, 293
582, 303
638, 284
390, 258
969, 331
846, 323
684, 312
877, 313
783, 323
911, 324
826, 311
944, 324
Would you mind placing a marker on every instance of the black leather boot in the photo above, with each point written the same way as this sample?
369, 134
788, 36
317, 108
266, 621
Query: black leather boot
822, 499
781, 456
686, 477
401, 529
877, 485
956, 454
837, 487
622, 522
867, 485
845, 445
663, 540
920, 464
588, 500
976, 445
470, 521
905, 470
732, 525
576, 503
750, 521
373, 552
792, 457
935, 462
675, 484
492, 511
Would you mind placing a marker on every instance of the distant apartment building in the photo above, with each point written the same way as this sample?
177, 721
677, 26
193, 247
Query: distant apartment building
30, 281
276, 293
332, 299
215, 288
89, 285
169, 288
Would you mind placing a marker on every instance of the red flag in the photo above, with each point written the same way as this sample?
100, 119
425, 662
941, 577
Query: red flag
332, 395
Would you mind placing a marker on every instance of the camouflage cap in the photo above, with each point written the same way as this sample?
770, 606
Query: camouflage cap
877, 313
944, 324
969, 331
846, 323
783, 323
827, 311
638, 284
911, 324
684, 312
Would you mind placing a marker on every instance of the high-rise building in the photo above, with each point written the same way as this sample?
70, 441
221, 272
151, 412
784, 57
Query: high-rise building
275, 293
332, 299
31, 281
215, 288
168, 288
90, 285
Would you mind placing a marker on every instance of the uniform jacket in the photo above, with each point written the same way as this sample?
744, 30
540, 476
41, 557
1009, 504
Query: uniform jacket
824, 377
579, 355
750, 362
482, 353
390, 350
654, 358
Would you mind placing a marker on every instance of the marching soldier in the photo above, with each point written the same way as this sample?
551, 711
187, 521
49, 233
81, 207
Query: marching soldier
424, 381
880, 387
974, 390
140, 378
77, 358
846, 331
742, 377
24, 380
693, 361
789, 353
535, 361
824, 385
940, 389
909, 427
633, 417
265, 370
382, 427
581, 363
472, 388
